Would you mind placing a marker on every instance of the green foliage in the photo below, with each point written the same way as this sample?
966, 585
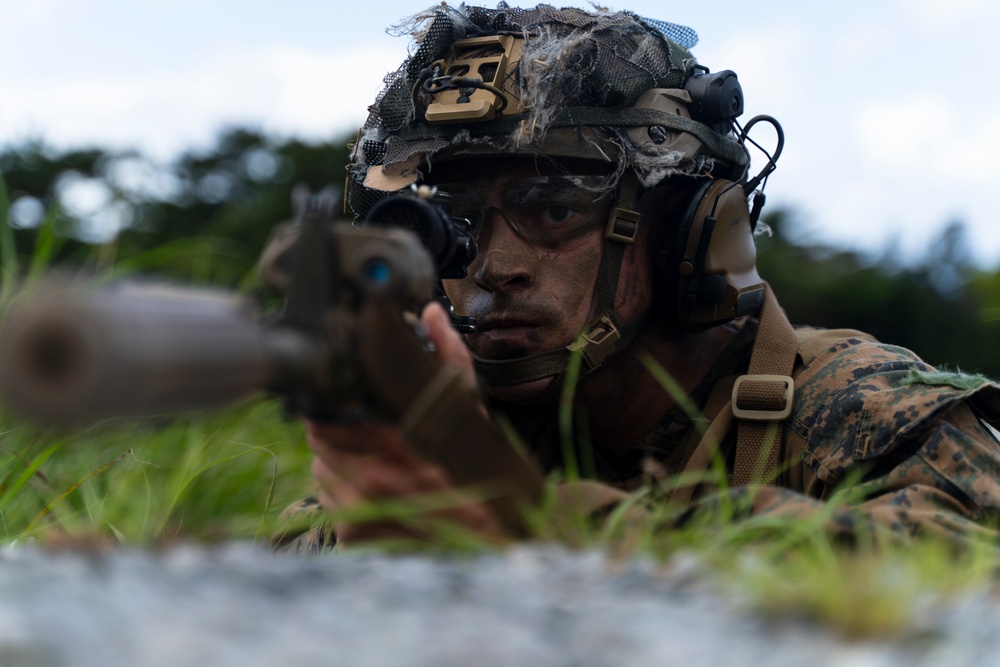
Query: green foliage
878, 594
8, 251
216, 476
942, 307
204, 217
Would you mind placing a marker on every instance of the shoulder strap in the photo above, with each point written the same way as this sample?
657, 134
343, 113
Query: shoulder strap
762, 399
718, 415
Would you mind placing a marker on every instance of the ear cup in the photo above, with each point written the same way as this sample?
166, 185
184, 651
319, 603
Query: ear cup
714, 258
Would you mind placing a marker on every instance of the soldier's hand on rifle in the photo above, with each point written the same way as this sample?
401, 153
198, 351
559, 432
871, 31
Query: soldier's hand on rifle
359, 464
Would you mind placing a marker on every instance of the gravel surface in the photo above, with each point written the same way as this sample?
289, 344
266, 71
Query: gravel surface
532, 606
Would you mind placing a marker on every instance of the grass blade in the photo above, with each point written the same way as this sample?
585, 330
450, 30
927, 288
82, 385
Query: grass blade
8, 251
25, 476
73, 487
47, 244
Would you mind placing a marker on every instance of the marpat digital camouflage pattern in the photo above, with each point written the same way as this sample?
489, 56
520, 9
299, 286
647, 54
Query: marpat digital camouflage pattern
908, 436
898, 446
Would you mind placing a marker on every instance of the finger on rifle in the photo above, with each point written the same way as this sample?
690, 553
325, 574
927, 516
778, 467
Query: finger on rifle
450, 346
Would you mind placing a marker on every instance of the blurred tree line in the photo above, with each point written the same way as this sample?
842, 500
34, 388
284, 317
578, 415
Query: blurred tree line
942, 306
206, 216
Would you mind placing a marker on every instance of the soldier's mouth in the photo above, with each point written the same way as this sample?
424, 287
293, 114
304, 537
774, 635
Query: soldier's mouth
506, 339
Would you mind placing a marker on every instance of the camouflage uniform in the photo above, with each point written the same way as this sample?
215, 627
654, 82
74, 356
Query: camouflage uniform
909, 440
906, 443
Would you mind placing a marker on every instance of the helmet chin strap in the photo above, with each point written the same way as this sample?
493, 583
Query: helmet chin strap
603, 332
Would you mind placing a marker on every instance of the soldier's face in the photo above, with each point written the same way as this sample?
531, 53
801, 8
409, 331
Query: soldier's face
531, 285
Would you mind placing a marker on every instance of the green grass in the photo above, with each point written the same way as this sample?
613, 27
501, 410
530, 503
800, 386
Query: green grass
866, 594
204, 477
792, 571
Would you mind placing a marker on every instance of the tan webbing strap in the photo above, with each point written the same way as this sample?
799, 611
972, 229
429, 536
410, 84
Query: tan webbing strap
718, 411
603, 329
623, 225
503, 372
763, 398
441, 417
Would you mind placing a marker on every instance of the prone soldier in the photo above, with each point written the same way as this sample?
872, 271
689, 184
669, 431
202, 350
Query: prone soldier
605, 175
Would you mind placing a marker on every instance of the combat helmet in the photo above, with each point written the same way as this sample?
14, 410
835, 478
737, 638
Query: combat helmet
599, 85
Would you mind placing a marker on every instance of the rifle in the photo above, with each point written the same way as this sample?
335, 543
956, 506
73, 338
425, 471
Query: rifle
346, 345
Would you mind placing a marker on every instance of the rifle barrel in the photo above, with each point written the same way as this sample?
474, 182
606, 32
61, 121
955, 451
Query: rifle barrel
76, 356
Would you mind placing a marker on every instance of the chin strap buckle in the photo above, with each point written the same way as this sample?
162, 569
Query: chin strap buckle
623, 226
596, 343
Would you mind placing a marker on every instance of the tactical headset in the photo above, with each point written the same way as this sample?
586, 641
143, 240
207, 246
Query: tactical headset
711, 266
711, 270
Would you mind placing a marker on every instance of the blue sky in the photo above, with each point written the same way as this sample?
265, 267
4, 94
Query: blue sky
890, 107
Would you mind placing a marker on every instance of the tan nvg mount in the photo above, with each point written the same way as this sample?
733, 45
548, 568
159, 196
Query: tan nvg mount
475, 82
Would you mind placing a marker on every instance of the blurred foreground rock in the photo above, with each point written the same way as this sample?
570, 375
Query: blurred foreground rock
240, 606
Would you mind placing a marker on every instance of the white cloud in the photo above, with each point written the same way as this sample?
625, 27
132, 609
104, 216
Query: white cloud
874, 209
282, 89
18, 14
323, 91
903, 133
922, 135
889, 134
861, 44
849, 209
18, 19
975, 153
944, 14
770, 61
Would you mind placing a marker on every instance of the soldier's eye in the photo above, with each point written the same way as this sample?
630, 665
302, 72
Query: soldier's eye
558, 214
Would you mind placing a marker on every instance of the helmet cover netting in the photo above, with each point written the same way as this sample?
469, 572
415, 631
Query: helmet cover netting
571, 58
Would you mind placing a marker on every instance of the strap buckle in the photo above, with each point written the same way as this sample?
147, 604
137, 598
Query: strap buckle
597, 343
763, 398
623, 225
